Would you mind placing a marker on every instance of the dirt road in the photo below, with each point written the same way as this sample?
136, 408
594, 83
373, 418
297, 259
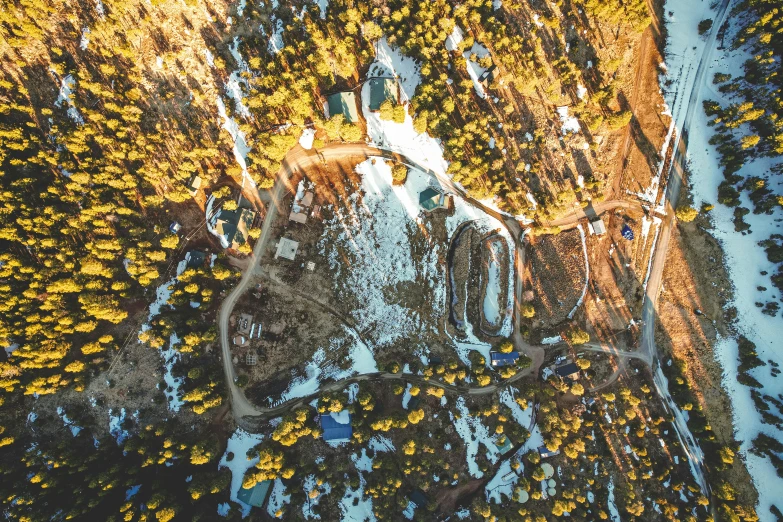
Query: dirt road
652, 291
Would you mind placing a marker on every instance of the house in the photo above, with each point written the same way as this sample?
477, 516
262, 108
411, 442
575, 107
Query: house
431, 199
343, 103
234, 225
286, 248
337, 427
175, 227
310, 266
302, 202
256, 495
503, 444
194, 185
418, 497
545, 452
488, 75
195, 258
503, 359
568, 371
597, 226
382, 89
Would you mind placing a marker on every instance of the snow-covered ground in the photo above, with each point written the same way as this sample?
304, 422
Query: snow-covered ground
400, 137
474, 434
474, 69
377, 232
745, 259
491, 306
569, 123
317, 369
66, 95
307, 138
239, 444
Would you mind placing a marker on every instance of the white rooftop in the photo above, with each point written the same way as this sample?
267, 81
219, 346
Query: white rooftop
286, 248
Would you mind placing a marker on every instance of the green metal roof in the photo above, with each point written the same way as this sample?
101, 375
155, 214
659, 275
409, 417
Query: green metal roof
343, 103
256, 495
382, 89
430, 199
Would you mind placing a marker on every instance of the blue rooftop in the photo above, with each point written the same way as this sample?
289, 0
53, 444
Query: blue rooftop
503, 359
337, 426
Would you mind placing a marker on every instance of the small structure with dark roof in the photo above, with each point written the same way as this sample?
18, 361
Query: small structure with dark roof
337, 427
343, 103
431, 199
195, 258
503, 359
545, 452
568, 371
382, 89
234, 226
418, 497
488, 75
256, 495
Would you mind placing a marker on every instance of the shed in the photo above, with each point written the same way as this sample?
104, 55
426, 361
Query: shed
343, 103
174, 227
337, 426
503, 359
599, 229
545, 452
256, 495
568, 371
194, 184
286, 248
431, 199
382, 89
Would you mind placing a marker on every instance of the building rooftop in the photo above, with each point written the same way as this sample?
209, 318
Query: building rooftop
545, 452
418, 497
194, 184
256, 495
234, 225
503, 359
286, 248
343, 103
382, 89
337, 426
195, 258
431, 198
567, 370
598, 227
